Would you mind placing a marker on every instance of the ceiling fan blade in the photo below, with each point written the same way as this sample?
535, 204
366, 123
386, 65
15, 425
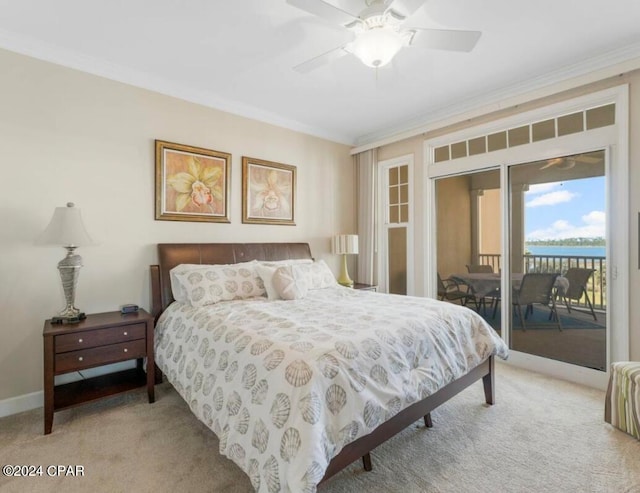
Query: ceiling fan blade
589, 159
446, 39
561, 163
556, 161
320, 60
548, 165
324, 10
406, 7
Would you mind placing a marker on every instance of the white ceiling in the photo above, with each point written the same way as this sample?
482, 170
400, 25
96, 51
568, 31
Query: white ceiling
237, 55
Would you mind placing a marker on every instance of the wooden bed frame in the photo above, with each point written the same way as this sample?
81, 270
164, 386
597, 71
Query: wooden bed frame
173, 254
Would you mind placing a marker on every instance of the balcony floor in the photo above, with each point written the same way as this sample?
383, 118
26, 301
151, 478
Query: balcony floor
582, 341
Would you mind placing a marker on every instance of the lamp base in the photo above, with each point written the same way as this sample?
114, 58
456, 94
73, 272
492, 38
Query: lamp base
68, 320
344, 279
69, 268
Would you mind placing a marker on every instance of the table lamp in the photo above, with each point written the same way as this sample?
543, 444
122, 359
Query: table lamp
345, 245
66, 229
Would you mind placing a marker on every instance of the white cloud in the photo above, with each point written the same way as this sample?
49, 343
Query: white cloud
552, 198
542, 188
595, 218
594, 224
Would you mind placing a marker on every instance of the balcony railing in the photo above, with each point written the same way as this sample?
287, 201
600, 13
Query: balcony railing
596, 287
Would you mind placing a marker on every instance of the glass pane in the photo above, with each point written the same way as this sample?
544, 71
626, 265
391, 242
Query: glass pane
570, 124
477, 146
393, 195
441, 154
393, 176
404, 213
497, 141
397, 260
601, 117
404, 174
404, 194
519, 136
558, 264
543, 130
394, 214
468, 219
459, 149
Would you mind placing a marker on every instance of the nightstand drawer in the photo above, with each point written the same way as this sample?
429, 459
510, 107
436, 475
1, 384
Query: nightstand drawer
78, 360
365, 287
99, 337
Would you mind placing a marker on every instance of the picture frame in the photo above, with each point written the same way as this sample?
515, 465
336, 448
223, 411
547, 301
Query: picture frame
268, 192
192, 183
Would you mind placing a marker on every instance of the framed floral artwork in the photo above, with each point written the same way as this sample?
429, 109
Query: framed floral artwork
268, 192
192, 184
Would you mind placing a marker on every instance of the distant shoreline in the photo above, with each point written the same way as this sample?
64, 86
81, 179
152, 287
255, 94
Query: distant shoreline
566, 250
570, 242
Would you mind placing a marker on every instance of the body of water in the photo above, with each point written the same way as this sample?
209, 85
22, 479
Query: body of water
566, 250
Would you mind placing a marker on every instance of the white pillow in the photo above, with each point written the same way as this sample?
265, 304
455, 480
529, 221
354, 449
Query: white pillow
319, 275
266, 269
266, 273
216, 283
290, 261
179, 294
291, 282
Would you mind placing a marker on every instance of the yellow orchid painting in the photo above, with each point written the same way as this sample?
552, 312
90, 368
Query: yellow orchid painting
268, 192
191, 183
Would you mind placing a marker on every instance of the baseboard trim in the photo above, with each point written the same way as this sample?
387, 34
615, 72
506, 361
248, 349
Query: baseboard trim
34, 400
21, 403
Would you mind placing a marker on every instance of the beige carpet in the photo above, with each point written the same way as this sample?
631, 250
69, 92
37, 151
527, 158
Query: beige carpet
543, 435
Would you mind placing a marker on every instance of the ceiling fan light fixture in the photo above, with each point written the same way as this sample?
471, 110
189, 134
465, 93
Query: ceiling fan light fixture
376, 47
567, 163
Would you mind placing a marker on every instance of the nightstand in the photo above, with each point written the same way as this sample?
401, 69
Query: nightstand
100, 339
365, 287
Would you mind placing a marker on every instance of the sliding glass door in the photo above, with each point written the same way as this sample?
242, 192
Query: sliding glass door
556, 275
520, 230
558, 259
468, 218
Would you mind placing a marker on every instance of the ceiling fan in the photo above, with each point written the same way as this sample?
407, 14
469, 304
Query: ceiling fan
377, 33
568, 162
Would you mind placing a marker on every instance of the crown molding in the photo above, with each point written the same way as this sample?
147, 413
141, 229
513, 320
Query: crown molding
72, 59
597, 68
606, 65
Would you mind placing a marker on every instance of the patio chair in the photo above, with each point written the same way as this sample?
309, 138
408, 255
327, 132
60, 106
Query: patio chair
536, 288
493, 297
578, 279
449, 290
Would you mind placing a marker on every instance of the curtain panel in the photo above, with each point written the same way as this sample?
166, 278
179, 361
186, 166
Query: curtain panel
366, 165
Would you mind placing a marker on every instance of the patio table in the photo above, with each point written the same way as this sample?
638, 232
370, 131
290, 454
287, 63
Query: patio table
484, 284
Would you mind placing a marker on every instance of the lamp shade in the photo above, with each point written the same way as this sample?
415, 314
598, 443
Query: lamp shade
66, 228
376, 47
342, 244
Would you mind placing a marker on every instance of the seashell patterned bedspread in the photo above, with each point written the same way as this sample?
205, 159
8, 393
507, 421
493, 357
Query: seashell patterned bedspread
285, 385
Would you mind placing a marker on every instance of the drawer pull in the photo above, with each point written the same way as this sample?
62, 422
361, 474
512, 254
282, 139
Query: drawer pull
79, 340
126, 350
126, 333
80, 358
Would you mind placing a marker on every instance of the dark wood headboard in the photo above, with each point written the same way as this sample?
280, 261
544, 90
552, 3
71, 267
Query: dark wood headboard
172, 254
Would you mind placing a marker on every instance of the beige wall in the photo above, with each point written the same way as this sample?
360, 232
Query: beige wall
69, 136
414, 146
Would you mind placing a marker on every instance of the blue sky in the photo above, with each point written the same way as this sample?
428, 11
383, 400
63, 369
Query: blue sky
567, 209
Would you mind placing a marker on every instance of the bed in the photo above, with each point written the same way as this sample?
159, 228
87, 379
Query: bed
298, 389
